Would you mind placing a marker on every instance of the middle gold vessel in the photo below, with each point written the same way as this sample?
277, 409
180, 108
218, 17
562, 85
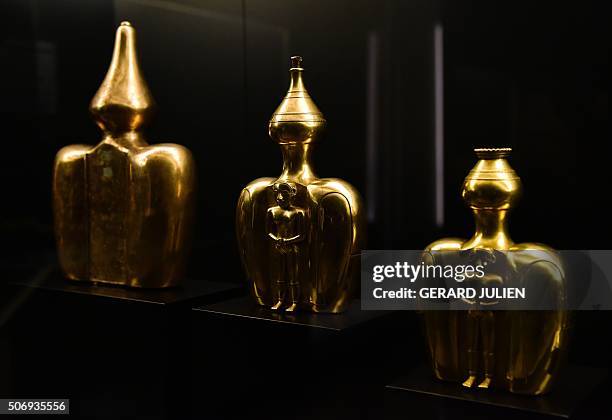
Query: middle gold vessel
299, 236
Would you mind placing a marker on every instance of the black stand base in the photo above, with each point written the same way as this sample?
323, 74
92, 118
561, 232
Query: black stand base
420, 395
323, 366
115, 352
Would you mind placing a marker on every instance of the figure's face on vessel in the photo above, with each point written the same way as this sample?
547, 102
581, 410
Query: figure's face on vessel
284, 193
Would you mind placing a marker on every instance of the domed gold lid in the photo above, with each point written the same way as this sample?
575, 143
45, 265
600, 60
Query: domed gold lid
123, 101
492, 183
297, 119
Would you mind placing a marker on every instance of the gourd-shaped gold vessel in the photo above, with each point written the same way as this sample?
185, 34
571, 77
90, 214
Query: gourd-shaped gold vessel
299, 235
519, 351
123, 209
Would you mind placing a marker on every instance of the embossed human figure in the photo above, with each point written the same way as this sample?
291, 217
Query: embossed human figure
481, 322
285, 226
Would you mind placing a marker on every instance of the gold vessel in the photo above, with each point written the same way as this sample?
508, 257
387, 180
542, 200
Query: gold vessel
299, 236
123, 209
519, 351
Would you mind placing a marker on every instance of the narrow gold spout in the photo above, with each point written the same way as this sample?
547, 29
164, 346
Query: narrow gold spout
123, 101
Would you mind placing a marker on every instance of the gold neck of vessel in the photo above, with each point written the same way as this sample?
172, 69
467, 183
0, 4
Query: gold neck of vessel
491, 190
295, 125
123, 104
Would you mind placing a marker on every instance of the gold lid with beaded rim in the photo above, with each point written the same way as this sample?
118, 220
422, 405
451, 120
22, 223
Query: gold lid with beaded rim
492, 183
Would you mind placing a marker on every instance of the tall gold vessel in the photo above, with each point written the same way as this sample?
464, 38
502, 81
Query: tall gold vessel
123, 209
299, 235
519, 351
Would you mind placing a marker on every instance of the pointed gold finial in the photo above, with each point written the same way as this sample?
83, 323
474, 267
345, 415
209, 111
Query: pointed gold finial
297, 119
123, 101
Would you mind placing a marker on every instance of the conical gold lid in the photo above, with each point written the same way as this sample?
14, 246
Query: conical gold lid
297, 106
297, 119
123, 101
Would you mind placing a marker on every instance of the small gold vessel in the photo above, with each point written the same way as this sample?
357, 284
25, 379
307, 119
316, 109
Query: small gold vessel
518, 351
300, 236
123, 209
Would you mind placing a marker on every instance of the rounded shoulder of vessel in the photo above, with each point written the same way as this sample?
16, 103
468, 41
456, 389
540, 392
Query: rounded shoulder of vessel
538, 251
539, 259
446, 244
532, 246
259, 184
170, 152
324, 186
72, 152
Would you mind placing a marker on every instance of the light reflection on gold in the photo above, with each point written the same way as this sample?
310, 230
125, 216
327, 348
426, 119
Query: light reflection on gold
124, 209
519, 351
299, 235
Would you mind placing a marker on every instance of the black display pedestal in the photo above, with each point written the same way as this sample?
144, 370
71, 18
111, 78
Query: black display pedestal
323, 366
115, 352
577, 395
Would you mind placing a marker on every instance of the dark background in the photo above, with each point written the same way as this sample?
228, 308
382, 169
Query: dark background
521, 74
533, 76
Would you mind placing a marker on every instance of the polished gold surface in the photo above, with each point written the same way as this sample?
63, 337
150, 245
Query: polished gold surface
123, 209
519, 351
299, 235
